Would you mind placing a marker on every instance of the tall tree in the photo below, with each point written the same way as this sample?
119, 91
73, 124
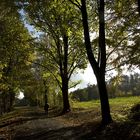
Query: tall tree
14, 46
98, 65
56, 19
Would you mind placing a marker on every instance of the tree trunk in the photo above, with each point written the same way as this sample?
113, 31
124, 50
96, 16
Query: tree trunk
0, 103
106, 117
46, 97
98, 67
12, 99
66, 105
45, 92
3, 102
105, 108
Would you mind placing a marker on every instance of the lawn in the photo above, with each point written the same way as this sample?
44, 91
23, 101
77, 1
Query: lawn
120, 106
119, 101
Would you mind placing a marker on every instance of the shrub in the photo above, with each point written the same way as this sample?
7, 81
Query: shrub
135, 113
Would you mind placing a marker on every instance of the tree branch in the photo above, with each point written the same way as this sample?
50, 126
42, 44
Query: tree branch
77, 4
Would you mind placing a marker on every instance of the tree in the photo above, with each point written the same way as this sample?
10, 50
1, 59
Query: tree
124, 85
61, 44
122, 33
98, 65
85, 94
14, 47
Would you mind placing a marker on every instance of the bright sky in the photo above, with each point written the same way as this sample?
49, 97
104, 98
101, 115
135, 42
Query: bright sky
86, 77
21, 95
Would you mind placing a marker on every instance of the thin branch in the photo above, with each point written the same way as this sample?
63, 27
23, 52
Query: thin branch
115, 48
72, 70
74, 85
122, 64
77, 4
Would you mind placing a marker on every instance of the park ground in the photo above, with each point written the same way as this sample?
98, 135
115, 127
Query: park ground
82, 123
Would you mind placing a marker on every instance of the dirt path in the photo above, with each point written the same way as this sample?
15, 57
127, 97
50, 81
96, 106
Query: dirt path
34, 124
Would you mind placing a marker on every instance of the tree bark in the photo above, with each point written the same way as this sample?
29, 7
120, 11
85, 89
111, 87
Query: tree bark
106, 117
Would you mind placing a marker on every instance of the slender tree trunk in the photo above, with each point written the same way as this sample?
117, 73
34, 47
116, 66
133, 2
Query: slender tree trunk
0, 103
46, 97
4, 102
98, 67
105, 108
45, 92
106, 117
12, 99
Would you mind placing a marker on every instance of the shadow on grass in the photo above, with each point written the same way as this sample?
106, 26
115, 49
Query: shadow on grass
91, 131
67, 133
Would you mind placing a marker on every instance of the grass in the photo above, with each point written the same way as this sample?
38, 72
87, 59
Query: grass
125, 100
85, 105
120, 106
119, 101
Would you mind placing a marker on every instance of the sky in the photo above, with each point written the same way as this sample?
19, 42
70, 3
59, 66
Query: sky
86, 76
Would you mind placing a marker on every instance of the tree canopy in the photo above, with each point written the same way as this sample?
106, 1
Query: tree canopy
68, 35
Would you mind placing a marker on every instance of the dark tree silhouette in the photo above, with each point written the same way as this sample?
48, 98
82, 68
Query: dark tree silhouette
100, 65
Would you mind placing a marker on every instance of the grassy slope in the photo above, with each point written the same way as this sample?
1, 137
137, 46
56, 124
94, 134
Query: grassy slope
122, 128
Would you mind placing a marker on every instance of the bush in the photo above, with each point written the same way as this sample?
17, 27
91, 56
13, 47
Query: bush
135, 113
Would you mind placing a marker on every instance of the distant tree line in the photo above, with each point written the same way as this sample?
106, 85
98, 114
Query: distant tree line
117, 86
124, 86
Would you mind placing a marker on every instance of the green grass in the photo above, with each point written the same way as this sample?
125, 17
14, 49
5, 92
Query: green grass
119, 101
125, 100
120, 106
86, 105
